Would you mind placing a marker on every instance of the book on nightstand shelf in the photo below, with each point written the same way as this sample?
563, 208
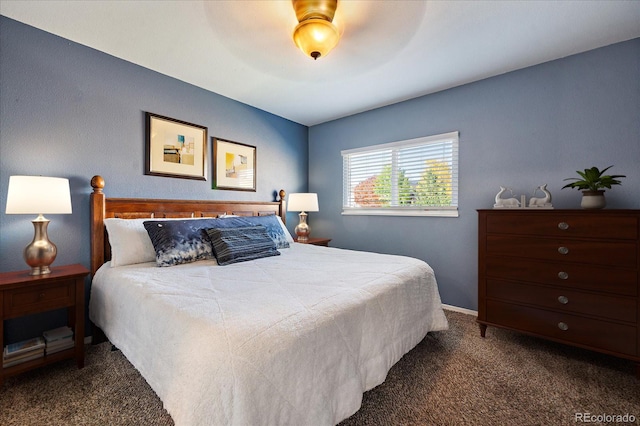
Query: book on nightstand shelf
19, 359
26, 350
58, 339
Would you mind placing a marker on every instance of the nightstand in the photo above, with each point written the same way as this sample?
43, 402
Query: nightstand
317, 241
22, 294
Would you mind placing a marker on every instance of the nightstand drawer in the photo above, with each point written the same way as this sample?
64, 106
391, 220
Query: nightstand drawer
20, 301
603, 335
565, 300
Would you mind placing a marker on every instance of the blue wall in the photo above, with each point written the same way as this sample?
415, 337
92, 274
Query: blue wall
521, 129
70, 111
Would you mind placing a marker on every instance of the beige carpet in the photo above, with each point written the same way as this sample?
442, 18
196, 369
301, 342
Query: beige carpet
451, 378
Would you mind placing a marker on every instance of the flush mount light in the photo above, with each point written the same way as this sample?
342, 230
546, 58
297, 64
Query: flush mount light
315, 34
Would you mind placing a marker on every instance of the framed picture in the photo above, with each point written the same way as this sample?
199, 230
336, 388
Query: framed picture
234, 165
175, 148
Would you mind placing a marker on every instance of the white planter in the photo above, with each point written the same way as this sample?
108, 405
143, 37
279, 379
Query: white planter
593, 200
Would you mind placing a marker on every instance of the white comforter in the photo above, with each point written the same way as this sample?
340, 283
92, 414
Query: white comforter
293, 339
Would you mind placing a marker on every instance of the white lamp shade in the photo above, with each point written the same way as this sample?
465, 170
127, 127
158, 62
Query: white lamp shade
303, 202
38, 195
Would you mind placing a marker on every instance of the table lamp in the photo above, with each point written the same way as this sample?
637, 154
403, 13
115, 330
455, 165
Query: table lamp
303, 202
39, 195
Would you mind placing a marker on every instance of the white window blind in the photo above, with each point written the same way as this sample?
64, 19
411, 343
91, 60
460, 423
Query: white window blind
416, 177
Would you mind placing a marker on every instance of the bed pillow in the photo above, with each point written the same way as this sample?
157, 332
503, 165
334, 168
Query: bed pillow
275, 228
285, 231
184, 241
233, 245
129, 242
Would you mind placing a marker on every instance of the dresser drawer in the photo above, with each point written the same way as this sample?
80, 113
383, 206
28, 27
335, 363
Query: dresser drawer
566, 274
565, 225
49, 296
565, 300
565, 327
594, 252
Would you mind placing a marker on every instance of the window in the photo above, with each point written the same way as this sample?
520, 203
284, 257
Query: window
416, 177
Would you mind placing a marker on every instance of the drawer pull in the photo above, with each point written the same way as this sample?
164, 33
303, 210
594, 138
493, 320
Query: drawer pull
41, 296
563, 225
563, 275
563, 326
563, 250
563, 299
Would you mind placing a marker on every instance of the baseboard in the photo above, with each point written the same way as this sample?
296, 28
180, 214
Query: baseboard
461, 310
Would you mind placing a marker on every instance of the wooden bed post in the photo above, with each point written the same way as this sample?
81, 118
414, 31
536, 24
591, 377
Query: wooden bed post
97, 223
283, 206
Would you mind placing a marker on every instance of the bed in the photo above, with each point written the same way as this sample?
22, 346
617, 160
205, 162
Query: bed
290, 338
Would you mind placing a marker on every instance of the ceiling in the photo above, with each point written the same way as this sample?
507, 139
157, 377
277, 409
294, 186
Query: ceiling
390, 51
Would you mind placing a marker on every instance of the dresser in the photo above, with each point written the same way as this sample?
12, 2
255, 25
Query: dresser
571, 276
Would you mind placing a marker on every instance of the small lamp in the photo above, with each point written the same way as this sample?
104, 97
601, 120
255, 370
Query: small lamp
303, 202
39, 195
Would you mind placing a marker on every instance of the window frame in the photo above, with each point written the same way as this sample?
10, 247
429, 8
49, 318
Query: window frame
438, 211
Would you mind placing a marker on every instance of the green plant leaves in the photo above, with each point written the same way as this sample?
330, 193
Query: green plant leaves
593, 179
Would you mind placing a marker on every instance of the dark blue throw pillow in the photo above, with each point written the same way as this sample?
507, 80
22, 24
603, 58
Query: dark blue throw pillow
273, 227
233, 245
183, 241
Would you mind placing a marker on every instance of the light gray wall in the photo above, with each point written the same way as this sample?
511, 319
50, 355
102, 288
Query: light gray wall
70, 111
521, 129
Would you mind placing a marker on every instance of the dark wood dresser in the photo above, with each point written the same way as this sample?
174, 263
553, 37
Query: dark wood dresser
571, 276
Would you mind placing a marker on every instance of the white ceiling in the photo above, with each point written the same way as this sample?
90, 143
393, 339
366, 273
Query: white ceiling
390, 50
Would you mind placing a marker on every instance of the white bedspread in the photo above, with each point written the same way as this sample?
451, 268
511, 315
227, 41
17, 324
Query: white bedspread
293, 339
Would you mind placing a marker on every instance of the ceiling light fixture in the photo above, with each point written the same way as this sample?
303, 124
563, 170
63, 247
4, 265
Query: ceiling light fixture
315, 34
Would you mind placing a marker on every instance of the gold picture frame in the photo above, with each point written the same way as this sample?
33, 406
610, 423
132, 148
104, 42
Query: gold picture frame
234, 165
175, 148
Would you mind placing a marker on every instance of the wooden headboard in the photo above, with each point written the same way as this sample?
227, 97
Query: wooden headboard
136, 208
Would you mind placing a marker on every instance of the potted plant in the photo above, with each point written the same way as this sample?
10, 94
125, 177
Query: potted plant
592, 183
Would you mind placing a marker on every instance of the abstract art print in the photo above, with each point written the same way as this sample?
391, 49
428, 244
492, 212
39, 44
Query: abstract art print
175, 148
234, 165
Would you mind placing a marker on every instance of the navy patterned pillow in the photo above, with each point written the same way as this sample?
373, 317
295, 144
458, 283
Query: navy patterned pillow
233, 245
184, 241
273, 227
